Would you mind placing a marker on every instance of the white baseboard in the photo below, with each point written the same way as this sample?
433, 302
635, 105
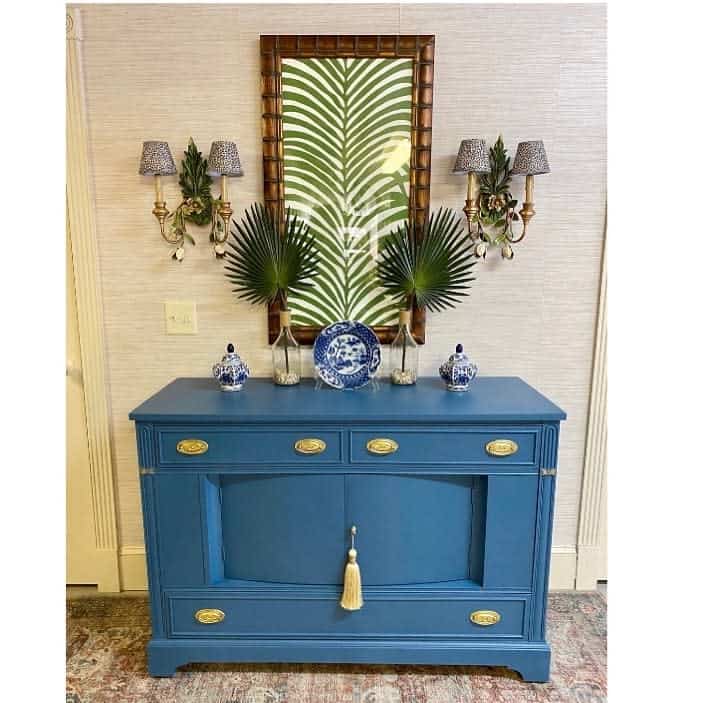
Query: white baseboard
133, 568
591, 567
562, 572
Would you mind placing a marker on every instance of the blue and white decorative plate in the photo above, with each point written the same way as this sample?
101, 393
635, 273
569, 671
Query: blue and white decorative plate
347, 354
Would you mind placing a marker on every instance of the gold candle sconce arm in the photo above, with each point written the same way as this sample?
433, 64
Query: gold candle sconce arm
161, 212
223, 161
224, 209
527, 211
157, 161
471, 207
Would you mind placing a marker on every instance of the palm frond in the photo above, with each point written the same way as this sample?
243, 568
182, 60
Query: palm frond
429, 264
264, 262
339, 117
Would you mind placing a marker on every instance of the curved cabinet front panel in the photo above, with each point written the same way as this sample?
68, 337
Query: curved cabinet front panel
285, 528
414, 529
294, 528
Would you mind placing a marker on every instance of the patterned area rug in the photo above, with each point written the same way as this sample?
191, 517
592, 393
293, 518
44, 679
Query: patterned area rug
106, 663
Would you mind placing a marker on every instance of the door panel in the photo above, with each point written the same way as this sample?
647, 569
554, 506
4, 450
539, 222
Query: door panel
511, 518
178, 501
411, 529
286, 528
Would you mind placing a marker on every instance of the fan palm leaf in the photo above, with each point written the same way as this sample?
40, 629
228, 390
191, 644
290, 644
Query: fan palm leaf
428, 264
341, 119
265, 262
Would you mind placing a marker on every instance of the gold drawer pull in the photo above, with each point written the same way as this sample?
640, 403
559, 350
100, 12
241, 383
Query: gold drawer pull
209, 616
192, 446
502, 447
382, 445
484, 618
310, 445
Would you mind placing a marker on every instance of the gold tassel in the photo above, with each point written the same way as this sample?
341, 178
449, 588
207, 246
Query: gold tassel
351, 596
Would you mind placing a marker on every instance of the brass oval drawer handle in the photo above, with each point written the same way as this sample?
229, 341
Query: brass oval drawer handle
382, 445
484, 618
502, 447
310, 445
209, 616
192, 446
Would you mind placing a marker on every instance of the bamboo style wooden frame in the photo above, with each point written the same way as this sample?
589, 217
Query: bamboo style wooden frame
420, 48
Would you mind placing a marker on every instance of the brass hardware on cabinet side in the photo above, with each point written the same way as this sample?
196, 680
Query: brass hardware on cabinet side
501, 447
382, 445
192, 446
146, 472
484, 617
209, 616
310, 445
548, 472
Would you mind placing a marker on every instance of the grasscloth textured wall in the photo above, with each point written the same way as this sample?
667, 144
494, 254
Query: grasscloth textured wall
528, 71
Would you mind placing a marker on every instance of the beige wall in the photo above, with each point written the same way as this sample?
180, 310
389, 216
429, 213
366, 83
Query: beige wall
528, 71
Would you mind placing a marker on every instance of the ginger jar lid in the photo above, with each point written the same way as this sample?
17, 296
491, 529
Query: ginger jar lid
231, 357
458, 358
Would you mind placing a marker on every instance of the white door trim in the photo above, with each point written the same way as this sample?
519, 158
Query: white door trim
591, 564
80, 214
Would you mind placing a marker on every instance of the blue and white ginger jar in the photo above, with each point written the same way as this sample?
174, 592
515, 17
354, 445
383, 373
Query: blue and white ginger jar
231, 372
458, 371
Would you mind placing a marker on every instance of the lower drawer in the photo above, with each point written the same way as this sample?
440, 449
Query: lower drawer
233, 615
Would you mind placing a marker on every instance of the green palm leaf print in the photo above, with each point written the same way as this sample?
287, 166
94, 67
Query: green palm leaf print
346, 137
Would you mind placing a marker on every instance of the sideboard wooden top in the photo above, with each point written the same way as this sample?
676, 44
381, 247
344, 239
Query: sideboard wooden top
491, 399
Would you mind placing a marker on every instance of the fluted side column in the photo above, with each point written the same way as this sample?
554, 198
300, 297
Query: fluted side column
591, 562
81, 221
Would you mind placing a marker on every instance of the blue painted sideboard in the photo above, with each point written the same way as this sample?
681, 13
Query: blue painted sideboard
248, 501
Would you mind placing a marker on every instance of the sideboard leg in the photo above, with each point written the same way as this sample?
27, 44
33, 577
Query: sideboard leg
534, 668
161, 661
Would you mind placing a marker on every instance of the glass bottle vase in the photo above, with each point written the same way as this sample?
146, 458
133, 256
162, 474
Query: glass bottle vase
286, 355
405, 353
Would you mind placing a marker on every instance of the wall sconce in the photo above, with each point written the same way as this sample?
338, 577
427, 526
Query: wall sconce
223, 161
530, 161
157, 161
474, 158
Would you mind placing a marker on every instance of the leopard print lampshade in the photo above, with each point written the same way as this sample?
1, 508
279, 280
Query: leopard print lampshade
156, 160
472, 157
224, 160
530, 159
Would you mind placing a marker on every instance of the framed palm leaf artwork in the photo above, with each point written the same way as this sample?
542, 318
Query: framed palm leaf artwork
347, 131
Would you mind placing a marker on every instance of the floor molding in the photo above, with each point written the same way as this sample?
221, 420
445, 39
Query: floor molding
133, 568
562, 572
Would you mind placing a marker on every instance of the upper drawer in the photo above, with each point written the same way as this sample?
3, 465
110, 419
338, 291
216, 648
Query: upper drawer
446, 446
190, 445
